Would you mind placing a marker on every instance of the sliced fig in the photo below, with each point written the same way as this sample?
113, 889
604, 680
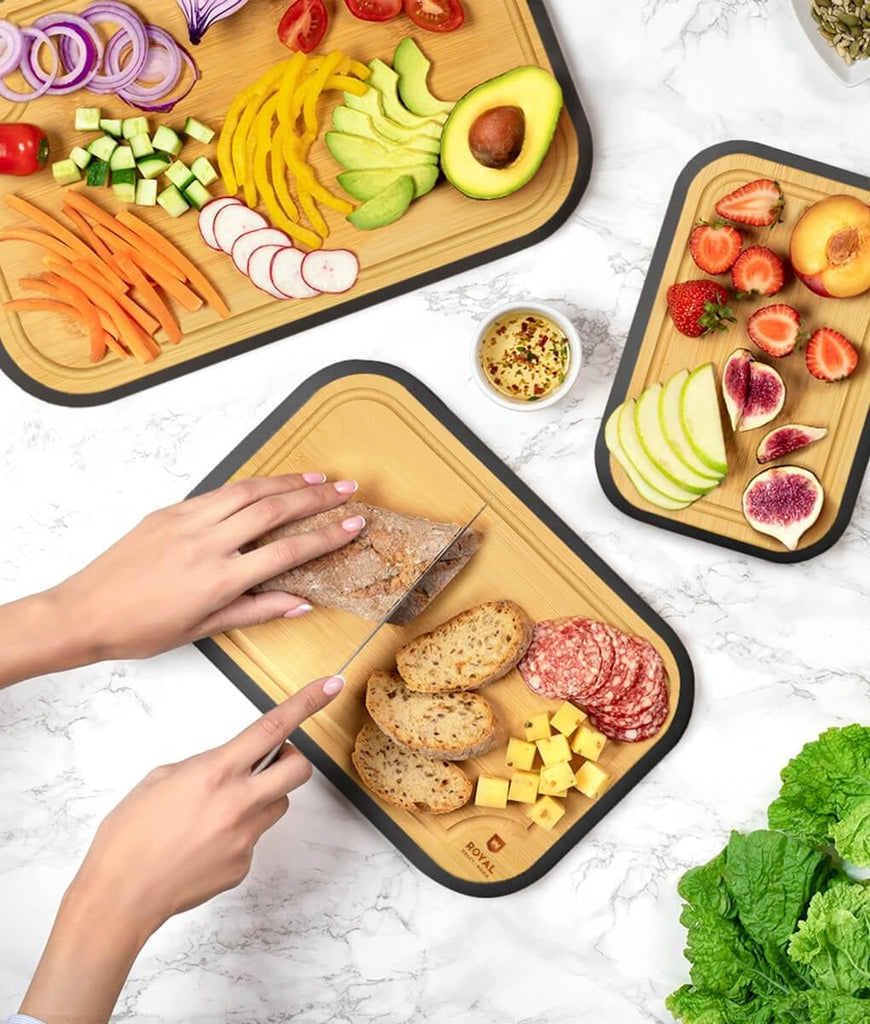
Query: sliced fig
784, 440
765, 399
735, 384
783, 502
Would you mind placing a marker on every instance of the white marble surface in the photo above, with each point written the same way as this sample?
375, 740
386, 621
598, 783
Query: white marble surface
333, 924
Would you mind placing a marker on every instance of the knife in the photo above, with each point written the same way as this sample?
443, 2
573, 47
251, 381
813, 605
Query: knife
392, 612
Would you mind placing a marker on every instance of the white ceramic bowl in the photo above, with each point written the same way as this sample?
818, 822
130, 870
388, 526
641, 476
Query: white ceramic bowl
567, 328
850, 74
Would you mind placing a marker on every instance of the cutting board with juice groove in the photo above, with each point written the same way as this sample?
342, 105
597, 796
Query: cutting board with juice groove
655, 350
442, 234
380, 425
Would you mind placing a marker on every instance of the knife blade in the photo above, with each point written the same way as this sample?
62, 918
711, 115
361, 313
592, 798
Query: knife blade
391, 613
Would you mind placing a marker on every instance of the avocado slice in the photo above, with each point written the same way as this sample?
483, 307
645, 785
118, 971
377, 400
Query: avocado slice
412, 67
497, 135
358, 154
386, 207
386, 81
370, 103
364, 185
354, 122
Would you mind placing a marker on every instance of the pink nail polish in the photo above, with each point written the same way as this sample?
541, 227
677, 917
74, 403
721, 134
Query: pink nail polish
314, 478
298, 611
346, 486
333, 686
354, 524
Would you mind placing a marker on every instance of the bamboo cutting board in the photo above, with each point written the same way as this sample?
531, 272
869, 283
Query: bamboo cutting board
655, 350
381, 426
441, 234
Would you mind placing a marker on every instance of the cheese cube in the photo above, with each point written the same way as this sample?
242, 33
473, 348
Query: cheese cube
537, 727
591, 779
589, 742
558, 778
554, 749
547, 812
568, 718
520, 754
524, 787
491, 792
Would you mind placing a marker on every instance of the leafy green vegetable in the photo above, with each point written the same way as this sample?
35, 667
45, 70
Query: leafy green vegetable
834, 940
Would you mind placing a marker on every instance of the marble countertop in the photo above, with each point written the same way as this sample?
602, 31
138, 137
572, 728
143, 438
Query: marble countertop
333, 924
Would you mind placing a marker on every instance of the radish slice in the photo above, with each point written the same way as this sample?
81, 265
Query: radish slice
330, 270
287, 275
234, 221
246, 244
207, 217
259, 269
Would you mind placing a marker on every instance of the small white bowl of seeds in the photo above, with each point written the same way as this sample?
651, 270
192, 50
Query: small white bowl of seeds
839, 32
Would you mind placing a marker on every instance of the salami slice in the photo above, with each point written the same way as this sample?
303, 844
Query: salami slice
647, 687
584, 659
638, 732
544, 663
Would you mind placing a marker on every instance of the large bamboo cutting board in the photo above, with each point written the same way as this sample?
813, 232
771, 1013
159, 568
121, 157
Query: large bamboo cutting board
443, 233
655, 350
381, 426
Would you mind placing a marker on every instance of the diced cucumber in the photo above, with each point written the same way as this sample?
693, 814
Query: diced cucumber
124, 176
141, 145
124, 184
122, 158
173, 201
180, 175
167, 141
197, 194
80, 157
65, 172
134, 126
152, 166
146, 192
88, 119
111, 126
103, 147
203, 170
199, 131
98, 173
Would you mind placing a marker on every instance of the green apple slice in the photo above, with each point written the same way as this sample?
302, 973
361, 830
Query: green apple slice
627, 434
701, 419
650, 494
672, 428
658, 451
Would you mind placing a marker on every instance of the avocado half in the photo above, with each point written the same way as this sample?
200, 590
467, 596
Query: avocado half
497, 135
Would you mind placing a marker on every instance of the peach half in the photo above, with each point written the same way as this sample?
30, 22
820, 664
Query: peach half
830, 247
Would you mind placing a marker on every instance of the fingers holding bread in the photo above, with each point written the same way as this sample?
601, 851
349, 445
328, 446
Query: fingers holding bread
220, 504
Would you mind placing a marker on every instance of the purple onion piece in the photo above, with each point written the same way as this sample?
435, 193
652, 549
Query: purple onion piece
202, 14
13, 47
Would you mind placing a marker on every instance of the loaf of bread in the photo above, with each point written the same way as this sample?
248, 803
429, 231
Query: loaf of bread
473, 648
369, 575
451, 726
407, 779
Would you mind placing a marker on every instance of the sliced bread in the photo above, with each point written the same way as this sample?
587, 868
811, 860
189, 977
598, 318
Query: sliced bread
473, 648
452, 726
407, 779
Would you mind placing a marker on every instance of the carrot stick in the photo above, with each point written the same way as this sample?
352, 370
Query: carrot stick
44, 305
52, 226
38, 238
98, 344
103, 319
171, 285
66, 292
99, 247
152, 300
131, 308
170, 252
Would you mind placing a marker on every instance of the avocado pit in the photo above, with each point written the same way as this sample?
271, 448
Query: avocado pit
497, 136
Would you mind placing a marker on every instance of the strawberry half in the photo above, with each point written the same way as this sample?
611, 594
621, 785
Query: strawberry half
698, 307
830, 356
759, 203
775, 329
757, 271
715, 246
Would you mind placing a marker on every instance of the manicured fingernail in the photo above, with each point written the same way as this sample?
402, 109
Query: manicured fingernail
314, 478
354, 524
333, 686
346, 486
299, 610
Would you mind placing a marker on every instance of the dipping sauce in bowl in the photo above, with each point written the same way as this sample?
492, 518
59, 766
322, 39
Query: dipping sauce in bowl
525, 355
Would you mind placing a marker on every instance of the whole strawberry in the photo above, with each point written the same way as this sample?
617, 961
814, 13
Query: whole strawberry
699, 307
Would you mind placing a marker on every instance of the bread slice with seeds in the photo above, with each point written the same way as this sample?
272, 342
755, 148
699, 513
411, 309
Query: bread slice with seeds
473, 648
407, 779
452, 726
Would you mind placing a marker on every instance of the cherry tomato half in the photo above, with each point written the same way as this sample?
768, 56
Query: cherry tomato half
303, 25
436, 15
374, 10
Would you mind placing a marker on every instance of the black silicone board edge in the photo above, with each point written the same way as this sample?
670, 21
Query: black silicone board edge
633, 344
336, 775
578, 187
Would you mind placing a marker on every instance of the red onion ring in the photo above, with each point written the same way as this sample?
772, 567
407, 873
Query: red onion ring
150, 97
13, 47
114, 77
39, 39
82, 38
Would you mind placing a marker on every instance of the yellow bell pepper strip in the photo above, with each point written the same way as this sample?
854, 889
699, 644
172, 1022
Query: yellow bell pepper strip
225, 143
346, 84
279, 176
318, 81
258, 92
288, 86
304, 173
358, 70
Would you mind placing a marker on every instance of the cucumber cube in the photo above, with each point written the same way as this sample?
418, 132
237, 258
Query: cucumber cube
124, 184
88, 119
111, 126
141, 145
197, 194
180, 175
203, 171
65, 172
167, 141
134, 126
153, 166
98, 173
146, 192
199, 131
173, 201
80, 157
103, 147
122, 159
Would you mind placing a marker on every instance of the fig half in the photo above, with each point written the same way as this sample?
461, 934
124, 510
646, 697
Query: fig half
765, 398
735, 384
784, 440
783, 502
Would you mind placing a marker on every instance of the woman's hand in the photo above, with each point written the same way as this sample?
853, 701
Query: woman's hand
178, 576
184, 834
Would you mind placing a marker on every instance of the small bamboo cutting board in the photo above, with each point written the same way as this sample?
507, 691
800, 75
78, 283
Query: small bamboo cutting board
381, 426
441, 234
655, 350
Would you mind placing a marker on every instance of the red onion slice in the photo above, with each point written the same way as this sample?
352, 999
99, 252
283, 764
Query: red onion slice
131, 33
13, 47
39, 38
81, 39
201, 14
149, 97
